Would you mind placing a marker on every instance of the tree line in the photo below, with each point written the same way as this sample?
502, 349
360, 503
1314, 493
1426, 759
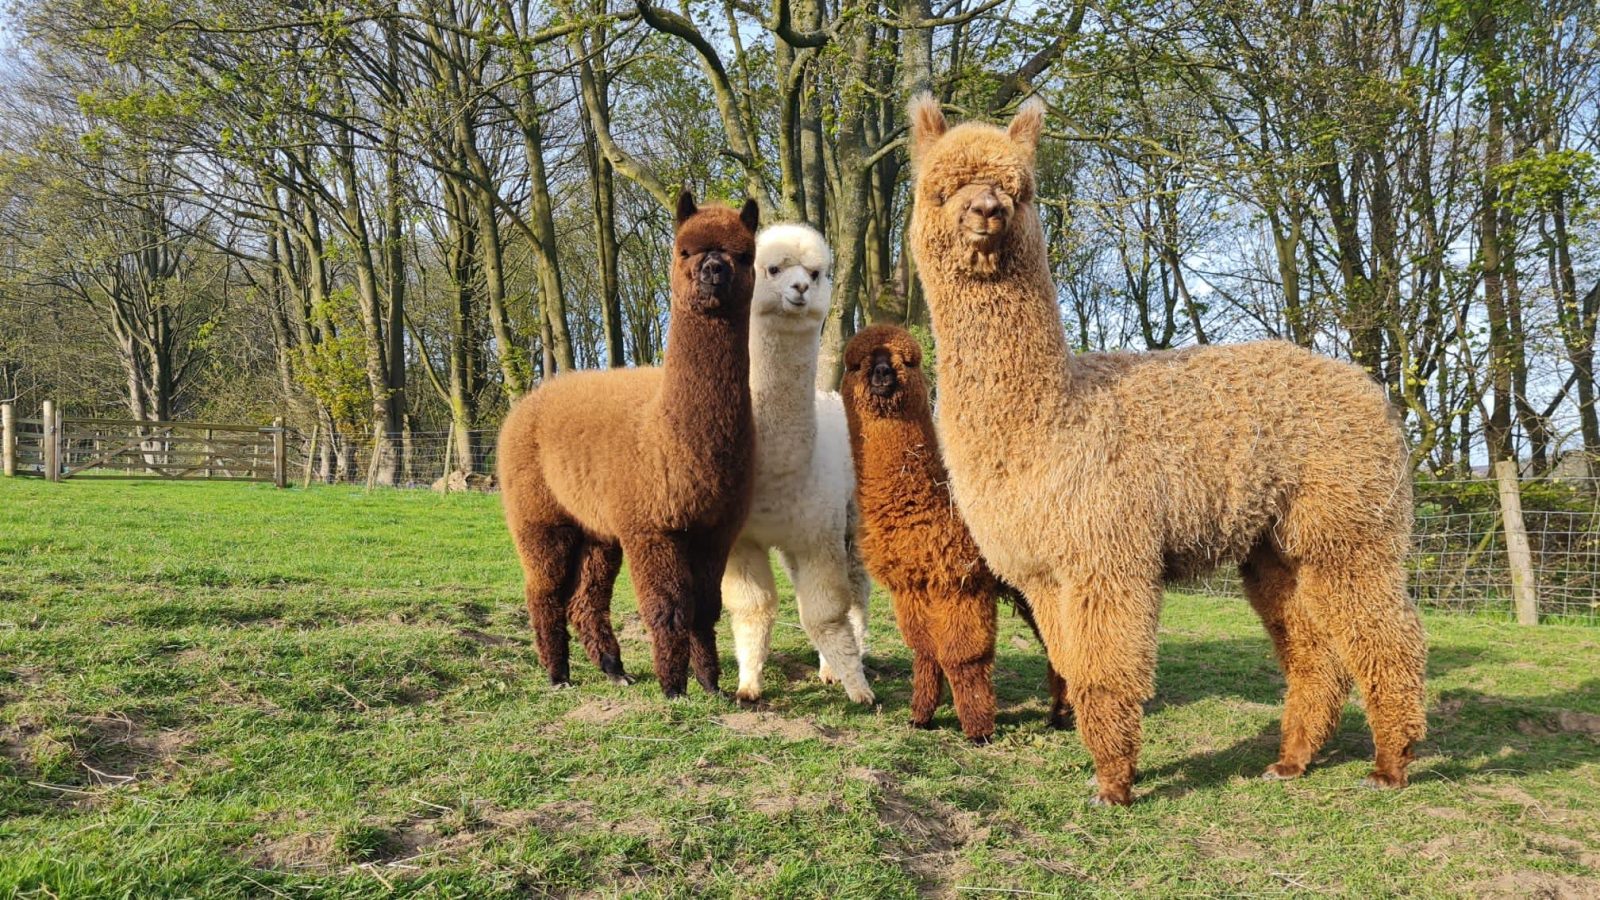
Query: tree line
382, 217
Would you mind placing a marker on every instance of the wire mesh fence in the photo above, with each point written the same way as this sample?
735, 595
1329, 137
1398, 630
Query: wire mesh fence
1459, 560
422, 458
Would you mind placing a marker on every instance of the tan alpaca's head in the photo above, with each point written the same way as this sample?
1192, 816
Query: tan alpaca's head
883, 374
793, 285
974, 187
713, 265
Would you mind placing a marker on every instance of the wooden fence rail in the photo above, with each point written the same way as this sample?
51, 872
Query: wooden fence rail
59, 447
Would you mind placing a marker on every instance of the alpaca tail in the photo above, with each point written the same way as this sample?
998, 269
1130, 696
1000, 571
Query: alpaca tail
1020, 604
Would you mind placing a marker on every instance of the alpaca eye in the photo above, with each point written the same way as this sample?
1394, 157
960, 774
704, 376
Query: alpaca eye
684, 254
939, 198
813, 273
772, 270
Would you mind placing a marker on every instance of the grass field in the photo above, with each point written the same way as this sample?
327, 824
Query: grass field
226, 690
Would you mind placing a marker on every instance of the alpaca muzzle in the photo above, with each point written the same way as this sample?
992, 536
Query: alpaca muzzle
881, 380
985, 218
714, 272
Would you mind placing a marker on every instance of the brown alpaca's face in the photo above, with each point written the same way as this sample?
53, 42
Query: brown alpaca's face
974, 182
883, 378
713, 257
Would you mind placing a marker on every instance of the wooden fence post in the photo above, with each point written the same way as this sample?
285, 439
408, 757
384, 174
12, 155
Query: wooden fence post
50, 448
1524, 588
8, 439
280, 454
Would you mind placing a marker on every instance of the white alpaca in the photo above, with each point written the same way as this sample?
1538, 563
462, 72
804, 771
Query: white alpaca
804, 505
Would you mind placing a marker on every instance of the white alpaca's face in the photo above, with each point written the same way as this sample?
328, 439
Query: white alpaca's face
792, 287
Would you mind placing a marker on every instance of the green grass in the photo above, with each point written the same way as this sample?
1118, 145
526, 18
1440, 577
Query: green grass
222, 689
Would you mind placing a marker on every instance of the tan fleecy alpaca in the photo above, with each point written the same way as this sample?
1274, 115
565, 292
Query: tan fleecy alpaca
653, 464
1089, 479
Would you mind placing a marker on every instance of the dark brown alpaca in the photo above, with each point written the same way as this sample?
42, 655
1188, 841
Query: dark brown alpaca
652, 463
914, 541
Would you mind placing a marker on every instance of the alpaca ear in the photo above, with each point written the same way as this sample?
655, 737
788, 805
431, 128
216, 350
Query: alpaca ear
750, 215
1028, 124
927, 123
686, 206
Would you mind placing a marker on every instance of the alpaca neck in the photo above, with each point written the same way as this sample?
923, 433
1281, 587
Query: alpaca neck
705, 398
1003, 359
914, 469
783, 376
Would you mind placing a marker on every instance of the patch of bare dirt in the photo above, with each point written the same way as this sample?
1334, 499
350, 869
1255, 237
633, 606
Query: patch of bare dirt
14, 746
1507, 793
600, 712
1543, 885
1216, 845
929, 834
631, 630
576, 815
776, 801
291, 851
1447, 845
772, 725
485, 639
1584, 853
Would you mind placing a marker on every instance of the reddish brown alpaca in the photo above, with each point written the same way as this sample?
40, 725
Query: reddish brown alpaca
914, 541
651, 463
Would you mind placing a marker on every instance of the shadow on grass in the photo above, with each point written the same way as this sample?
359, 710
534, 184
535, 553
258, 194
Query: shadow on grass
1471, 733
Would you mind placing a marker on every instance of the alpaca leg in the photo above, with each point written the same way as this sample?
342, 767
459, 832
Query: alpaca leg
1060, 708
927, 688
965, 634
1317, 683
547, 553
1362, 604
860, 597
1061, 717
707, 567
822, 586
664, 581
590, 607
791, 565
751, 596
972, 689
1101, 634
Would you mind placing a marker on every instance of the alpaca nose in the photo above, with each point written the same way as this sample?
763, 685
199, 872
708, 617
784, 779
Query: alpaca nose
986, 204
801, 287
714, 269
881, 378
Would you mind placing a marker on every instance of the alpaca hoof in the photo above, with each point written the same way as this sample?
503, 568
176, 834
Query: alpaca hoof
1111, 798
674, 693
561, 685
1282, 772
748, 696
862, 695
621, 679
826, 676
1379, 781
1063, 721
922, 724
980, 740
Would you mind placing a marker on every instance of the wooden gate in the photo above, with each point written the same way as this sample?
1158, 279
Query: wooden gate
66, 447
